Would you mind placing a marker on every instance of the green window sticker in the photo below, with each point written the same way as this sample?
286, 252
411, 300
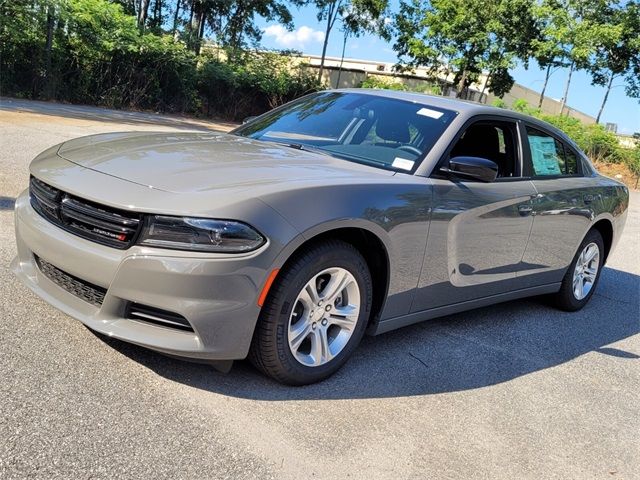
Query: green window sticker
544, 155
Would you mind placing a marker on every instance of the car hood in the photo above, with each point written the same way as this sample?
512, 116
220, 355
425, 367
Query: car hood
196, 162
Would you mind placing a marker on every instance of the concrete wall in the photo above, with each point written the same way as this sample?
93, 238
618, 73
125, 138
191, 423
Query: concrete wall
354, 72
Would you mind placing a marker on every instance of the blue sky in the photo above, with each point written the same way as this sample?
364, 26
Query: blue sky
308, 34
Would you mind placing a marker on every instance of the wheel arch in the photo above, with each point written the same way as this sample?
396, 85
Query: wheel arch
604, 226
372, 245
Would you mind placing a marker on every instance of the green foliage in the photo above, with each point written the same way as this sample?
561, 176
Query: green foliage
382, 84
499, 103
251, 84
388, 84
598, 143
465, 37
99, 55
633, 161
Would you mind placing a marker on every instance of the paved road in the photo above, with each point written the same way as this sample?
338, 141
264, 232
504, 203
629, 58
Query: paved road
513, 391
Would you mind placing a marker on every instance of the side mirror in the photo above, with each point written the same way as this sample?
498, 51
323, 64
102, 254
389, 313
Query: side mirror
248, 119
472, 168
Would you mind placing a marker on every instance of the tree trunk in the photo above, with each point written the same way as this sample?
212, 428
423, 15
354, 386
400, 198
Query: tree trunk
484, 87
176, 15
344, 46
566, 89
142, 13
157, 14
332, 14
196, 26
461, 84
606, 96
48, 50
544, 86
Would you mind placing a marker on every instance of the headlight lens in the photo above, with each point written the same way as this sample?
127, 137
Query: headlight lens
199, 234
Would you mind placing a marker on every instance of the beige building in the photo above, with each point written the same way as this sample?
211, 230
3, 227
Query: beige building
352, 72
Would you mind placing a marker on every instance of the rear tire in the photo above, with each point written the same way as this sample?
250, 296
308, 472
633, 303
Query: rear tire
315, 314
581, 279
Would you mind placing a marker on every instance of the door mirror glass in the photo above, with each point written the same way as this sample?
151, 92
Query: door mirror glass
472, 168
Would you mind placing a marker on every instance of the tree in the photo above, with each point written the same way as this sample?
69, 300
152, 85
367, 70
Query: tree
464, 37
357, 15
576, 26
363, 17
618, 50
232, 23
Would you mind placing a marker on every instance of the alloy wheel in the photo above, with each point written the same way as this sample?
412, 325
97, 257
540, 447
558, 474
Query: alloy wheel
324, 317
586, 271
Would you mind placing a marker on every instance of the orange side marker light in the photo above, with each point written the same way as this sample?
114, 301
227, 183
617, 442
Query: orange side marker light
267, 286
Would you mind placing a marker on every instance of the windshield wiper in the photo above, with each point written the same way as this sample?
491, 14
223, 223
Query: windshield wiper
307, 148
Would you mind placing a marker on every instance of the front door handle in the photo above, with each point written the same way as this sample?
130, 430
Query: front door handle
525, 210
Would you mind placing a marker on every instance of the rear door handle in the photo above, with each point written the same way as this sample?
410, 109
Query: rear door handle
525, 209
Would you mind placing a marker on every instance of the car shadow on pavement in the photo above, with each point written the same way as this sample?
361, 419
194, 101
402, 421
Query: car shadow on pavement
460, 352
7, 203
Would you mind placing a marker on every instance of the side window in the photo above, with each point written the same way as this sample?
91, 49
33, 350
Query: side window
572, 161
495, 141
549, 156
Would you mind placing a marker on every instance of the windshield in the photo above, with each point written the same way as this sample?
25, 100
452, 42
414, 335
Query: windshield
383, 132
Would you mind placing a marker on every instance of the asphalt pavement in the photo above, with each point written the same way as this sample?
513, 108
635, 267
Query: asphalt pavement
514, 391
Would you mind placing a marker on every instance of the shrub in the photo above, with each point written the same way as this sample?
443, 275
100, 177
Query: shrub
598, 143
382, 84
251, 84
500, 103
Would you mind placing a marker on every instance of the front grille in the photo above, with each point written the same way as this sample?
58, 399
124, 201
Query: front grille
157, 316
80, 288
98, 223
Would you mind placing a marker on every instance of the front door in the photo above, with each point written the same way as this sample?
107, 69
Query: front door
479, 231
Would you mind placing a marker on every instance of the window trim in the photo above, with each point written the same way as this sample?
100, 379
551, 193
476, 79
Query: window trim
529, 161
515, 125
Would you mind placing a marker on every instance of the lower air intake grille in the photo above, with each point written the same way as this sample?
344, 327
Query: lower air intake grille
156, 316
84, 290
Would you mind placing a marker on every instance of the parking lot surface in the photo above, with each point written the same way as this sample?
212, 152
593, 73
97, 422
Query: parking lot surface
514, 391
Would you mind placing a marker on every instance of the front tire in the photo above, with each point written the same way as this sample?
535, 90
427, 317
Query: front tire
581, 279
315, 314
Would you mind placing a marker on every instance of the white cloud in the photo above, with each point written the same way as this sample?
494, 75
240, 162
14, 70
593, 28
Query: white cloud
298, 38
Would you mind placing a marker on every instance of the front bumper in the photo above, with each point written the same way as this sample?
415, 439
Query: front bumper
216, 293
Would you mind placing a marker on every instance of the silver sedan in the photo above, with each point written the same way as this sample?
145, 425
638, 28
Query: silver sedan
343, 212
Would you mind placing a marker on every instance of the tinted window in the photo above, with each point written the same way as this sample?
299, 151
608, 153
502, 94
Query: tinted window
383, 132
572, 161
548, 155
494, 141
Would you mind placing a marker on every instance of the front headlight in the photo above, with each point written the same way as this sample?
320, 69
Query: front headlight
199, 234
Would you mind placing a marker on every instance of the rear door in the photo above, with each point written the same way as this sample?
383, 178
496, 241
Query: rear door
479, 231
562, 209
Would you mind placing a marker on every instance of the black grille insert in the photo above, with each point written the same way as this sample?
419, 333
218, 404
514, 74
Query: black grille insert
98, 223
157, 316
82, 289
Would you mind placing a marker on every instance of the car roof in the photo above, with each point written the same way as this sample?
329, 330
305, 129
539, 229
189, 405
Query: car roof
467, 107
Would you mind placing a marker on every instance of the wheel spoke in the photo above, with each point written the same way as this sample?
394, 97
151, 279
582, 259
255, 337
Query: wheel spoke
589, 254
320, 352
310, 294
343, 322
579, 290
339, 281
324, 342
297, 334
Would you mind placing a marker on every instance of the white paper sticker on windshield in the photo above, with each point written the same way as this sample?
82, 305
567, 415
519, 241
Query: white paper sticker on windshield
402, 163
427, 112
